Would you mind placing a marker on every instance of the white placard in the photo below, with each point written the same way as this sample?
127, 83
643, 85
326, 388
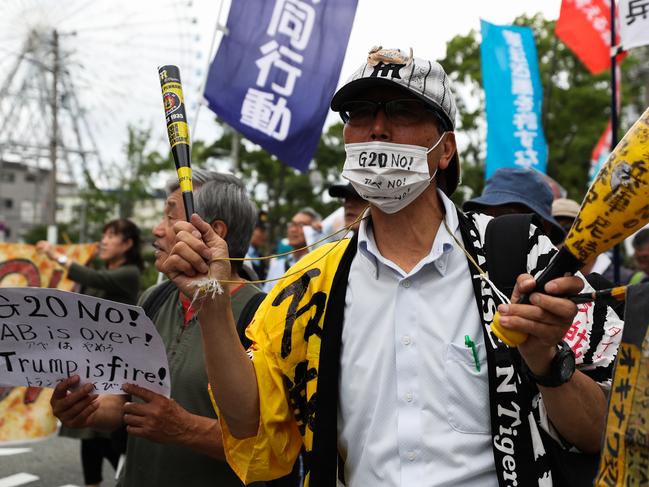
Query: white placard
47, 335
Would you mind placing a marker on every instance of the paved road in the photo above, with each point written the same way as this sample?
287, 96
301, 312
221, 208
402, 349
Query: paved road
52, 463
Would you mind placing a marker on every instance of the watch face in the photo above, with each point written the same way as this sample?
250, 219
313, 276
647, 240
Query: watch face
566, 367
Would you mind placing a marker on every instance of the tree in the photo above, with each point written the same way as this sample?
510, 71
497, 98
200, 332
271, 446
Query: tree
576, 104
277, 188
131, 181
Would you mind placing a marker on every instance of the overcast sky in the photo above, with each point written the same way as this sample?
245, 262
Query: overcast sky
111, 49
424, 25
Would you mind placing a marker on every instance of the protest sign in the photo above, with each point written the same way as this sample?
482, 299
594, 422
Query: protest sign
47, 335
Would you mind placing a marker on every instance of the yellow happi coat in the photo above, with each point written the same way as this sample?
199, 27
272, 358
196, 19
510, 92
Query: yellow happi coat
286, 355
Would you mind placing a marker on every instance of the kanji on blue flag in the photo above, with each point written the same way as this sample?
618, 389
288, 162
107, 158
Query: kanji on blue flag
276, 70
513, 98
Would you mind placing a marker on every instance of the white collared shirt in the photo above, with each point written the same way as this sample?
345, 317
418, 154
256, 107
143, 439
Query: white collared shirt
413, 409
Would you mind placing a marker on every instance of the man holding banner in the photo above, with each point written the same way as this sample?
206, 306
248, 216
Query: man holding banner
375, 355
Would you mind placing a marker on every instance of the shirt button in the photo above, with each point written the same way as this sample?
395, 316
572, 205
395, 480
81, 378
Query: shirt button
409, 397
411, 456
405, 283
406, 340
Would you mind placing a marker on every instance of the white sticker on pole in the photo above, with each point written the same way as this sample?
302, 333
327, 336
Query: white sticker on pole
47, 335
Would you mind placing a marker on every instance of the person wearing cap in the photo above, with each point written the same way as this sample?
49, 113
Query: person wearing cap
374, 355
353, 204
565, 211
518, 190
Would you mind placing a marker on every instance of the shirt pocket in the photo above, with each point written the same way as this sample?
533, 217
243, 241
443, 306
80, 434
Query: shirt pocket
467, 390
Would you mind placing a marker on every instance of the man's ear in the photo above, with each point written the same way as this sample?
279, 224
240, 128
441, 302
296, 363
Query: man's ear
449, 148
220, 228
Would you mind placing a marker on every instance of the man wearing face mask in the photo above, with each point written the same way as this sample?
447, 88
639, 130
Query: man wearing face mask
375, 354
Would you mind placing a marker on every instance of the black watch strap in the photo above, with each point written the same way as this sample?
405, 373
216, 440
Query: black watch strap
562, 368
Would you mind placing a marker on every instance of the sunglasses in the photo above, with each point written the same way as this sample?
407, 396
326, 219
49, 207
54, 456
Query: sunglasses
403, 112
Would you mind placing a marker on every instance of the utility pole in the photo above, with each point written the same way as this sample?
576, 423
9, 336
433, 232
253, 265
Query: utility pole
235, 145
51, 217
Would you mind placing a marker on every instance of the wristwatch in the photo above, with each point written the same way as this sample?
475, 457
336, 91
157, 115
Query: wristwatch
62, 260
562, 368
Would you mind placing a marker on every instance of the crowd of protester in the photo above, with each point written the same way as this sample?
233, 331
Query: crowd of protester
371, 361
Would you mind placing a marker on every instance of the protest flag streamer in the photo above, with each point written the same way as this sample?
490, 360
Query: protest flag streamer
513, 98
634, 23
276, 70
600, 153
585, 27
625, 450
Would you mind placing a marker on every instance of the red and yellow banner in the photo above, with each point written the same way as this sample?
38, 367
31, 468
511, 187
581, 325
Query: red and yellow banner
22, 266
25, 413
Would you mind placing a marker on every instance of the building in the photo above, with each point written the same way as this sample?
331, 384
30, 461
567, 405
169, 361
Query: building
25, 197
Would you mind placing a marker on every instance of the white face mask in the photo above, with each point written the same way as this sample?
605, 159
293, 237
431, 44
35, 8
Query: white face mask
388, 175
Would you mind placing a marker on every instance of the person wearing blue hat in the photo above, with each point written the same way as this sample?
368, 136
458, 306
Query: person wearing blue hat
518, 190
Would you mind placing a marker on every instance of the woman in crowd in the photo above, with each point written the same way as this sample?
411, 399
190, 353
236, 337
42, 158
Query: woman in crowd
119, 280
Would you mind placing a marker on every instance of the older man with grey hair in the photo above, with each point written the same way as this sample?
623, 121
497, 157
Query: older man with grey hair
174, 441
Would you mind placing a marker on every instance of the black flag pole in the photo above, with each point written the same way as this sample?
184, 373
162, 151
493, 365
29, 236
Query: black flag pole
614, 124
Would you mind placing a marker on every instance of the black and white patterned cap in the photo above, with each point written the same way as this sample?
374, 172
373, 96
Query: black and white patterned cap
425, 79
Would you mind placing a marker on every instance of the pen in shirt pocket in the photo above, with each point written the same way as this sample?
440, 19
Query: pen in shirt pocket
470, 344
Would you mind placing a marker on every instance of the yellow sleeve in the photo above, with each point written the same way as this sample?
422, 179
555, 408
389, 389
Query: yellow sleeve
273, 451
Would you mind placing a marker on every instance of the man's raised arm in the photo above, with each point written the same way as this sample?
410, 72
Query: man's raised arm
200, 255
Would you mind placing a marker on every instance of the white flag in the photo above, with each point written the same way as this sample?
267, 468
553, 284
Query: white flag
634, 23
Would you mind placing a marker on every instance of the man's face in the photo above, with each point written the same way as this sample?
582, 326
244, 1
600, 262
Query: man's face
353, 209
163, 232
381, 128
259, 237
295, 232
641, 257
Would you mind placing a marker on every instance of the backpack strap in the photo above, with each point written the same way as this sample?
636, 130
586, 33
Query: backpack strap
246, 315
153, 302
506, 242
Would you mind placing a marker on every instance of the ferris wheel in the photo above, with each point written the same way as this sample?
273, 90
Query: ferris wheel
74, 74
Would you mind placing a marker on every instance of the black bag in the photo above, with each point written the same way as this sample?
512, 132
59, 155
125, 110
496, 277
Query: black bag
506, 241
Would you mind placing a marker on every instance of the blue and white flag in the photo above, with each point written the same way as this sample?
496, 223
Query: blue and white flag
276, 70
513, 98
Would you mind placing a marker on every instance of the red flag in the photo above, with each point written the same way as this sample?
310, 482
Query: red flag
585, 27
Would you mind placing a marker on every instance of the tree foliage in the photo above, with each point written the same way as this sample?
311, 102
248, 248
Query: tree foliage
132, 182
576, 105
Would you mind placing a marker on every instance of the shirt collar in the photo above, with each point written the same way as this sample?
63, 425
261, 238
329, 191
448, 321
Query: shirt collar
439, 253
